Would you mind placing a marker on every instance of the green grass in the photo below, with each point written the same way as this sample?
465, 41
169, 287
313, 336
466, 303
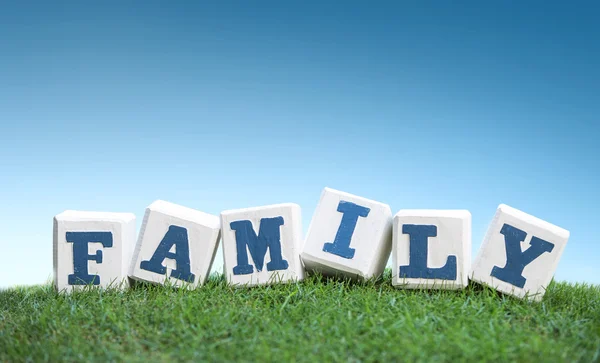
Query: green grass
312, 321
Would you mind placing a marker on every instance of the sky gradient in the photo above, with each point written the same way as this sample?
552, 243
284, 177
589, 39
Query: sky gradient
111, 105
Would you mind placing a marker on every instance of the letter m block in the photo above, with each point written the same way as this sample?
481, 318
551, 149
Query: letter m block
261, 245
519, 254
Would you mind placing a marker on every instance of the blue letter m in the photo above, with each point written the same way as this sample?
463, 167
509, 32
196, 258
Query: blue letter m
268, 238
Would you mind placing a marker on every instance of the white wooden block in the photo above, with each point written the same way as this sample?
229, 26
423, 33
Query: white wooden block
431, 249
175, 244
92, 248
519, 254
261, 245
348, 235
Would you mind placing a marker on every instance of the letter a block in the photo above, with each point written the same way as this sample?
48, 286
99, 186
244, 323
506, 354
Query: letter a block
431, 249
92, 248
519, 254
261, 245
348, 235
176, 243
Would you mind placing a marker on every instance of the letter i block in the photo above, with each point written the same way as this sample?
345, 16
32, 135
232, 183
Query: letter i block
349, 236
519, 254
177, 244
431, 249
92, 248
261, 245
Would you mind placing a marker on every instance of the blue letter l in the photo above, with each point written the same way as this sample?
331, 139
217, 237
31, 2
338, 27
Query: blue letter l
417, 267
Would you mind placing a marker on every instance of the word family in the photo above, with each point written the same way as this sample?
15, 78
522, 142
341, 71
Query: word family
348, 235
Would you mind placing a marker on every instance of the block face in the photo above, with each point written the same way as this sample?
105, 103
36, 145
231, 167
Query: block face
175, 244
92, 248
348, 235
261, 245
519, 254
431, 249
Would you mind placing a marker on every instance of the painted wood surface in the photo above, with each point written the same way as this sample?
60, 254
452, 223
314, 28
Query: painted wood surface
348, 235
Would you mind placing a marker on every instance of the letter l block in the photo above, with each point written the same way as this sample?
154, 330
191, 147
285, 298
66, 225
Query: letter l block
261, 245
519, 254
431, 249
175, 243
92, 248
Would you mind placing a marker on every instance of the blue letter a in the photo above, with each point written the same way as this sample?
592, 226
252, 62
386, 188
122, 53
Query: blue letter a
516, 260
341, 243
268, 238
417, 267
175, 236
81, 257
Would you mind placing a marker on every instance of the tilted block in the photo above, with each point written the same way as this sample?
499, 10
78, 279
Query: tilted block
175, 244
431, 249
261, 245
519, 254
348, 235
92, 248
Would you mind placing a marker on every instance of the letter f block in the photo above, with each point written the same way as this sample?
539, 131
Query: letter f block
177, 244
348, 235
261, 245
92, 248
519, 254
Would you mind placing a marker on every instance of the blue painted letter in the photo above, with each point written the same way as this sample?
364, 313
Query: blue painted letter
417, 267
81, 257
178, 237
341, 243
516, 260
268, 237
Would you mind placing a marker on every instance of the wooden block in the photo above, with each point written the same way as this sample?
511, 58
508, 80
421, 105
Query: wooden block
431, 249
349, 236
175, 244
519, 254
261, 245
92, 248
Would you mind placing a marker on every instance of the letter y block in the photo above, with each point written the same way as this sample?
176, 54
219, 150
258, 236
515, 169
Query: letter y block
519, 254
92, 248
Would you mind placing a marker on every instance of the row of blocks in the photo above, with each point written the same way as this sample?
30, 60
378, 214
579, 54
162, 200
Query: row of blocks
348, 235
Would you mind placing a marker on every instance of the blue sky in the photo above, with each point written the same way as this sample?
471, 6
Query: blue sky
218, 105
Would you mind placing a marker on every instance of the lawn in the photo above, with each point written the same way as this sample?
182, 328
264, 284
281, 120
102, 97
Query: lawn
315, 320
